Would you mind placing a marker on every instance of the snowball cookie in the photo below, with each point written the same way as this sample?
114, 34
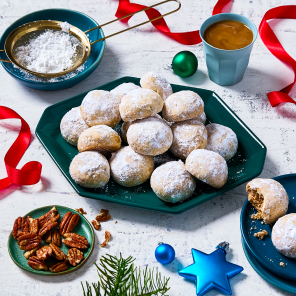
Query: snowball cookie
221, 139
149, 136
100, 107
140, 103
90, 169
202, 118
269, 198
172, 183
207, 166
187, 136
182, 105
72, 125
129, 168
158, 83
125, 126
283, 235
101, 138
123, 89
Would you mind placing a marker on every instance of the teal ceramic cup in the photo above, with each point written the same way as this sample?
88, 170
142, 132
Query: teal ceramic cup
227, 67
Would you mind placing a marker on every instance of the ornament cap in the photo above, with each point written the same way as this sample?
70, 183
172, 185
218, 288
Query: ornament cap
224, 246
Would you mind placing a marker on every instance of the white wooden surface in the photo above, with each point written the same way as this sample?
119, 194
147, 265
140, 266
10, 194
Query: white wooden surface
138, 231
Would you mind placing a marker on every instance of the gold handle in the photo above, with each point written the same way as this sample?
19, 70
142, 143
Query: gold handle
118, 19
7, 61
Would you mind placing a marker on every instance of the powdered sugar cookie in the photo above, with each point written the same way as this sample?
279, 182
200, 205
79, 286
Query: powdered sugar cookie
182, 105
123, 89
269, 198
283, 235
171, 182
207, 166
126, 125
100, 107
149, 136
202, 117
188, 135
129, 168
72, 125
101, 138
140, 103
90, 169
157, 83
221, 139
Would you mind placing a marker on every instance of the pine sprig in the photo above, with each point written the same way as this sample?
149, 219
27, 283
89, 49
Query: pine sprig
119, 277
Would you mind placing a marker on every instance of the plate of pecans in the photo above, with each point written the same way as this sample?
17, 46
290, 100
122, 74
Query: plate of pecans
51, 240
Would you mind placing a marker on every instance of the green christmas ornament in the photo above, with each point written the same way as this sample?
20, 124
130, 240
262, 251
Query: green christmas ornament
185, 63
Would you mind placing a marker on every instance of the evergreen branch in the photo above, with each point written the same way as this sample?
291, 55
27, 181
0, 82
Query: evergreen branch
119, 277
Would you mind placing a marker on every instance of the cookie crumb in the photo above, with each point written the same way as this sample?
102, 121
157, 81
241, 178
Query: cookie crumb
116, 222
261, 234
282, 264
257, 216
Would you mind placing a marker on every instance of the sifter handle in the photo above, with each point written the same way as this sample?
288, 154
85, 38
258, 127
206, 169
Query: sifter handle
149, 21
7, 61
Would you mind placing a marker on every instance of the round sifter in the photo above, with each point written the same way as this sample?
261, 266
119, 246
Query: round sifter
22, 36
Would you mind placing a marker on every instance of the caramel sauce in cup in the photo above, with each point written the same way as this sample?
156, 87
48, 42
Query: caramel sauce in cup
228, 35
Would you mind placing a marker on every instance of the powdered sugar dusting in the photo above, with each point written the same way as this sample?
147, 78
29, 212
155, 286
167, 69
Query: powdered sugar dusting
49, 52
284, 235
188, 135
149, 136
101, 107
182, 105
157, 83
207, 166
72, 125
123, 89
171, 182
130, 168
221, 139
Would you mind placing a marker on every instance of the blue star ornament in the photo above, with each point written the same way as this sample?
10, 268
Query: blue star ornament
211, 271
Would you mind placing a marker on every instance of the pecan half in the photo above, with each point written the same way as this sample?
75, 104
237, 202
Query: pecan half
29, 241
81, 211
44, 253
56, 238
75, 256
107, 238
47, 237
51, 216
68, 222
30, 253
75, 240
20, 227
33, 224
96, 224
47, 227
61, 266
104, 216
58, 253
37, 264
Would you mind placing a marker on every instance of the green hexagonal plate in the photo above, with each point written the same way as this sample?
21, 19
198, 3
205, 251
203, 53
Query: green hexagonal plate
83, 228
245, 165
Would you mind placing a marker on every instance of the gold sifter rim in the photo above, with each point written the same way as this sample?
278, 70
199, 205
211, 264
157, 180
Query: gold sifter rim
84, 50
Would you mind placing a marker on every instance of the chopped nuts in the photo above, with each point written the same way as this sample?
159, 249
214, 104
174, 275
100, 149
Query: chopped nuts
96, 224
107, 238
81, 211
104, 216
282, 264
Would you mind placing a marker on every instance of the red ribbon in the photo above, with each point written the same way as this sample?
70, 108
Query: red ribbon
274, 46
186, 38
30, 173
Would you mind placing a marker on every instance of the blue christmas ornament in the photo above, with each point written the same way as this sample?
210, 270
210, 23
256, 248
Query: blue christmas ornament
164, 253
211, 271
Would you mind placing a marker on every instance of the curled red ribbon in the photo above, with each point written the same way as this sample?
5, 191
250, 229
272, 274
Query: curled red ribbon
30, 173
186, 38
274, 46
